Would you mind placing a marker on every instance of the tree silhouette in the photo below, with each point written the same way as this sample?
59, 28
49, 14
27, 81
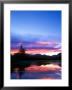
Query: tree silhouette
22, 50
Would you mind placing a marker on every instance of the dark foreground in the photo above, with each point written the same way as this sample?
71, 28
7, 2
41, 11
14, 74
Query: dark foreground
25, 66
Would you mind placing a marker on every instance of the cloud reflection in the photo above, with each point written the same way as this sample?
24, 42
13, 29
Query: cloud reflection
43, 68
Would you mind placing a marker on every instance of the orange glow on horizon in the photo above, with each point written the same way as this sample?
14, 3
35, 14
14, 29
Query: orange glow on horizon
38, 51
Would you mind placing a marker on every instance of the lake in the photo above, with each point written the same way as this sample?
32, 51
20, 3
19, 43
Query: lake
47, 71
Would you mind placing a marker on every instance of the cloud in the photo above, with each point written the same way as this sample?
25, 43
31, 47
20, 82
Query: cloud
38, 45
58, 46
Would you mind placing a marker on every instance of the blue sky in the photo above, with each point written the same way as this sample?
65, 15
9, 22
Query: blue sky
30, 27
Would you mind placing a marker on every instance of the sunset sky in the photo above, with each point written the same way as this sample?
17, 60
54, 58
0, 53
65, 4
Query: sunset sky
38, 31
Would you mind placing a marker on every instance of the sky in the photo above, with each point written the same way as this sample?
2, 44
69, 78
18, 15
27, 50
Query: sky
38, 31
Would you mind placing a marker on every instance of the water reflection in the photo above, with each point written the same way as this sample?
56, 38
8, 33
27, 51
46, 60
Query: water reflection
48, 71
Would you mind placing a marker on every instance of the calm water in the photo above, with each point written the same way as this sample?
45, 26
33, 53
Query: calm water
48, 71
